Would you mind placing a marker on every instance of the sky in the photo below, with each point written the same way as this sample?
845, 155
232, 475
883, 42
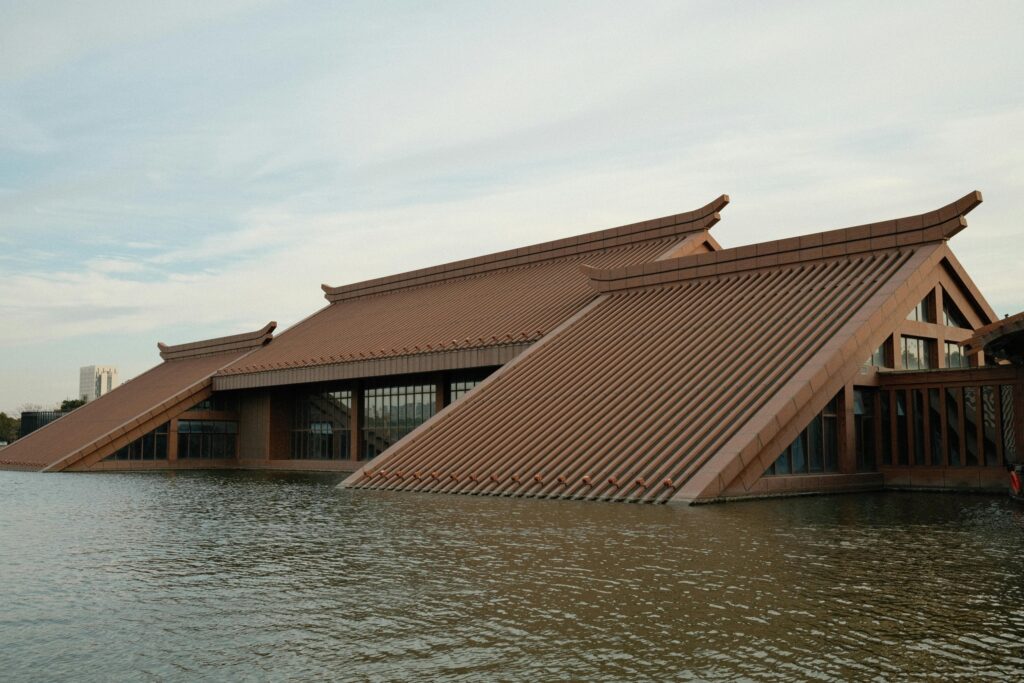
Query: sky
177, 171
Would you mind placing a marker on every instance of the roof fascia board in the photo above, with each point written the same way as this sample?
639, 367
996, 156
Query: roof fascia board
452, 359
934, 226
207, 347
658, 228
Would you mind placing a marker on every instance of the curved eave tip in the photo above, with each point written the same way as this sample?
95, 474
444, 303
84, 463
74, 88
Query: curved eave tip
327, 288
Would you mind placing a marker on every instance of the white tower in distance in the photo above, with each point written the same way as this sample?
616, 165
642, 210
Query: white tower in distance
96, 380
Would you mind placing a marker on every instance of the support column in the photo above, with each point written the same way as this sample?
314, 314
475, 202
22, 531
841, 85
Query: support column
172, 441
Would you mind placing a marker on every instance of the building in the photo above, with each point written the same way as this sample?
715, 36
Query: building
31, 420
95, 381
642, 363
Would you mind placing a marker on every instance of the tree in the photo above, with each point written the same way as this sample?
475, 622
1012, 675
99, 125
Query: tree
69, 404
9, 427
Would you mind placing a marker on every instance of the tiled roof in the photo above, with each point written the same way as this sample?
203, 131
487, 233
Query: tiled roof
129, 408
678, 377
511, 298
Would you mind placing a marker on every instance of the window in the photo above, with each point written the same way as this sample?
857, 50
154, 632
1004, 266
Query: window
902, 429
392, 412
951, 315
215, 402
971, 425
1009, 438
935, 425
955, 356
151, 446
885, 415
917, 353
924, 311
864, 428
321, 425
989, 425
816, 449
954, 399
457, 390
207, 439
882, 356
918, 396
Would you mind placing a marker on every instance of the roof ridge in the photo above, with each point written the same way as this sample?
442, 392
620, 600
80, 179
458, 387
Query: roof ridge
235, 342
656, 228
934, 226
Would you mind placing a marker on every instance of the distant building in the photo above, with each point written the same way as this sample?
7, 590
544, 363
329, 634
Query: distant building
31, 420
95, 381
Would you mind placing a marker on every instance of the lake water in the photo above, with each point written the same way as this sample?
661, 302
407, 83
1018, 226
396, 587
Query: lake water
245, 576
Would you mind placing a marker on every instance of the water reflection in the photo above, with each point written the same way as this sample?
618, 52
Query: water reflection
239, 575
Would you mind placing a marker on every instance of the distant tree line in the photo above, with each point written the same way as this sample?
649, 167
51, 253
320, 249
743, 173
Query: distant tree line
9, 427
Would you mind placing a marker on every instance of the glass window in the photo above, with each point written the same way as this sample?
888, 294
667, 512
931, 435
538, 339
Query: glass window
902, 429
389, 413
207, 439
321, 425
150, 446
954, 399
935, 425
971, 425
923, 312
864, 428
917, 353
885, 415
457, 390
955, 356
918, 395
1009, 436
815, 449
990, 430
951, 315
881, 356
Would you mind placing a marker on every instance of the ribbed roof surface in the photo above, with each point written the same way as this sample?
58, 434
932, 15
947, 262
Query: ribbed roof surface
132, 405
632, 398
642, 389
470, 304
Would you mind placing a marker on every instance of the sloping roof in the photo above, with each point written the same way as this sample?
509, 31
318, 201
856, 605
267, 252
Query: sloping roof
512, 297
676, 379
135, 406
1002, 339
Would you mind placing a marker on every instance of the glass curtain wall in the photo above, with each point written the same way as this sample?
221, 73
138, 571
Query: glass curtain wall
389, 413
816, 449
151, 446
321, 426
207, 439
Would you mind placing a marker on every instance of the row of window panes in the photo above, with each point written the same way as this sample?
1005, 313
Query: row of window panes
951, 315
389, 413
917, 353
207, 439
457, 390
816, 449
923, 312
921, 427
151, 446
321, 423
955, 356
215, 402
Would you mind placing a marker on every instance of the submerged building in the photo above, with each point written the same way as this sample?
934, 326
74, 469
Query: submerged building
641, 363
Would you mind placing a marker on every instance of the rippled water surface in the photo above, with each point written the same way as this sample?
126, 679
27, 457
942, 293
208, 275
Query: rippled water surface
239, 576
